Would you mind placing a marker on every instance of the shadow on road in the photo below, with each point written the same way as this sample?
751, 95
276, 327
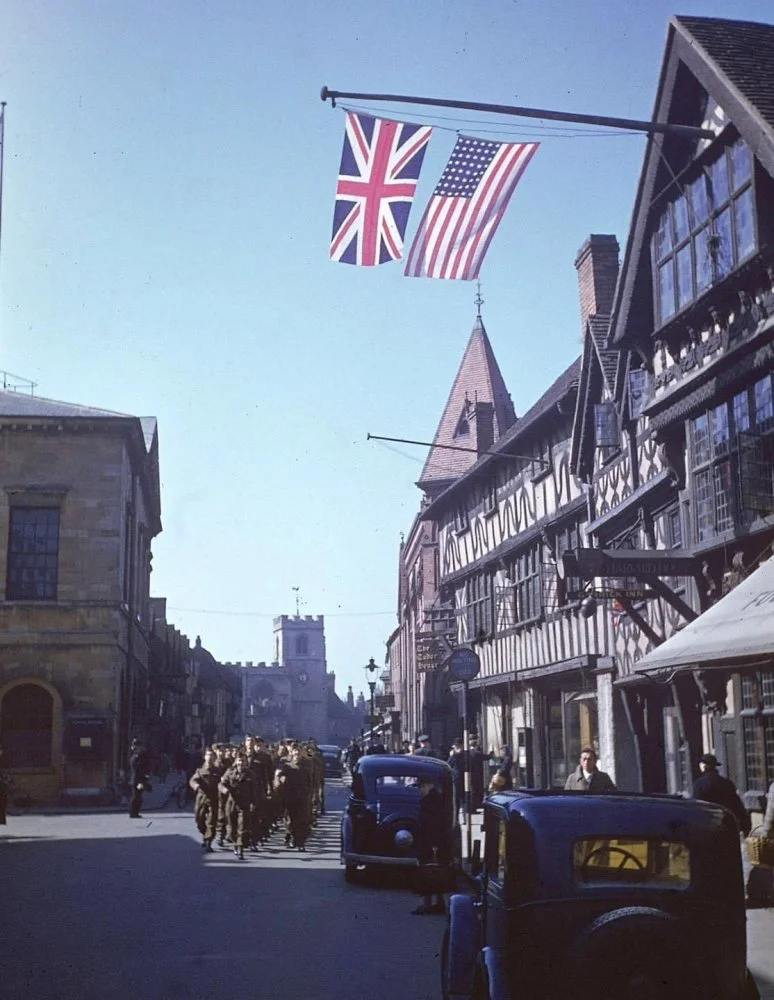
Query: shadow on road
140, 913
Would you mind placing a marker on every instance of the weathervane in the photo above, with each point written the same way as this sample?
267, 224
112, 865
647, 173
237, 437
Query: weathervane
298, 601
478, 301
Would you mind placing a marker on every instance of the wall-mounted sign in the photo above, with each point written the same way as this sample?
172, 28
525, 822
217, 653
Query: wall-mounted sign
464, 664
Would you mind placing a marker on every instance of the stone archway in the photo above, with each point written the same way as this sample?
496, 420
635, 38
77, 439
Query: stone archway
27, 713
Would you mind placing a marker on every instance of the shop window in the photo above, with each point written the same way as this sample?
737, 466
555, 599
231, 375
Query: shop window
26, 720
704, 232
572, 723
33, 554
758, 729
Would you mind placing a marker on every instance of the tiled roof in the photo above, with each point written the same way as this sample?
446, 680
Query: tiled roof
556, 392
18, 404
478, 380
743, 51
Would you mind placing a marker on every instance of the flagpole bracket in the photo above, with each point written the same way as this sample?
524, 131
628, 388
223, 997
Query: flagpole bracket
325, 94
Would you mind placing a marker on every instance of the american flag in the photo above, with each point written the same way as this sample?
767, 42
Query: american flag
466, 207
380, 165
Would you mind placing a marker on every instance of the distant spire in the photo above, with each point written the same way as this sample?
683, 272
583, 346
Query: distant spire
478, 301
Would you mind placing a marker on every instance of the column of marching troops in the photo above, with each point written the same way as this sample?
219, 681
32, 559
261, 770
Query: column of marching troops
245, 793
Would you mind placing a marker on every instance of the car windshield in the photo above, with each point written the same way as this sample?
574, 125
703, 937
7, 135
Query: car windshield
648, 861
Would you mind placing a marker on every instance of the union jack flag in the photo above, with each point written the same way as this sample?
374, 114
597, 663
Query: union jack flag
380, 166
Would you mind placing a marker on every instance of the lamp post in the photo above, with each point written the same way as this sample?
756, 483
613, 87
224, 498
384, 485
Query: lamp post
371, 669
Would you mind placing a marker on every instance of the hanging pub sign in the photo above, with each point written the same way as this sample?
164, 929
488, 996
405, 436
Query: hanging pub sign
605, 425
640, 391
463, 664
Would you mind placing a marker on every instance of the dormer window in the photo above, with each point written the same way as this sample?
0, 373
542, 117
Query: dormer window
463, 427
704, 232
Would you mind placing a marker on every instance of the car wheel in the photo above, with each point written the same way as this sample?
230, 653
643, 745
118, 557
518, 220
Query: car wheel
460, 970
350, 874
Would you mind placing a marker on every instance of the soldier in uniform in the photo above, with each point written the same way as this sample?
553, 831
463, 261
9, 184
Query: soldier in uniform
237, 783
204, 782
292, 778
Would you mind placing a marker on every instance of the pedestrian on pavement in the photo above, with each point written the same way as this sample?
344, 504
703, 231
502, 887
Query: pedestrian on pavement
434, 846
713, 787
139, 781
456, 762
204, 781
425, 748
767, 829
588, 778
476, 756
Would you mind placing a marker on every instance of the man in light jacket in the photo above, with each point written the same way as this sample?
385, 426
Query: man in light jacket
588, 778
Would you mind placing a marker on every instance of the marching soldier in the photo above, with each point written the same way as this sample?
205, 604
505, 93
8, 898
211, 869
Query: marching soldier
204, 782
293, 779
237, 783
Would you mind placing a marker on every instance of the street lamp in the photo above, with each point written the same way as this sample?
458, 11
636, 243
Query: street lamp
371, 669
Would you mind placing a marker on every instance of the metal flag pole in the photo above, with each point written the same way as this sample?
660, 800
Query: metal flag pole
634, 125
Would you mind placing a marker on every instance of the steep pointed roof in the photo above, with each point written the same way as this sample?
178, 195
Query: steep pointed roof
478, 380
733, 61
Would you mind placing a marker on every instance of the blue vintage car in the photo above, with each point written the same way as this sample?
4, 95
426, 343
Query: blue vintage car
611, 896
379, 825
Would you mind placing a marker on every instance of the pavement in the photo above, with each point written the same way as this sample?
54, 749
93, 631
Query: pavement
159, 797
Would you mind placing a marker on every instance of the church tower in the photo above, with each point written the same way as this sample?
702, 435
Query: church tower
299, 646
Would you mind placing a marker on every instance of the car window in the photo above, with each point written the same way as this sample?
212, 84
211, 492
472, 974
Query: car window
645, 861
495, 848
396, 782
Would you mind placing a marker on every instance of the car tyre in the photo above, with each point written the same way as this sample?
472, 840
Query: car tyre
350, 874
460, 967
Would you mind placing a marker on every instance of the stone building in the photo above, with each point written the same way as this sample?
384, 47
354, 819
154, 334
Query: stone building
295, 695
79, 508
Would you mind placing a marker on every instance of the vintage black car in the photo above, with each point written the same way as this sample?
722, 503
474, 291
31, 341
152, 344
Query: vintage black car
334, 767
611, 897
379, 825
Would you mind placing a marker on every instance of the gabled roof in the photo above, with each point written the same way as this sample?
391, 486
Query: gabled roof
733, 61
601, 368
478, 380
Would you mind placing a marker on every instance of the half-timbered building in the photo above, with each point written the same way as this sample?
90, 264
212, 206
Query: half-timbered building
675, 428
546, 683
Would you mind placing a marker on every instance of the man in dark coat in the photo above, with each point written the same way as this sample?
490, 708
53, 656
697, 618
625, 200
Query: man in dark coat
476, 775
456, 762
588, 778
434, 839
713, 787
138, 777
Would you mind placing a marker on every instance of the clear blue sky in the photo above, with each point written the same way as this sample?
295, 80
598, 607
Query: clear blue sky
169, 181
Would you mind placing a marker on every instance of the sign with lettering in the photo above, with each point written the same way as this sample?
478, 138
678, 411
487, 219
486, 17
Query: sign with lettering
589, 563
464, 664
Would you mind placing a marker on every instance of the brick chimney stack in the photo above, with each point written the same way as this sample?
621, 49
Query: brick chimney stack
597, 267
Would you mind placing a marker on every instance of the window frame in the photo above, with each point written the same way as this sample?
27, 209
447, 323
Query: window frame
717, 507
24, 559
702, 233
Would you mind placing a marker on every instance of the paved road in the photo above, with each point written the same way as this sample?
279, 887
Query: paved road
98, 905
